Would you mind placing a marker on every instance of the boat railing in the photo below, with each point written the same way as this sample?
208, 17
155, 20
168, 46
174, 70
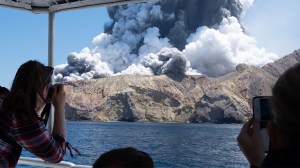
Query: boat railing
39, 162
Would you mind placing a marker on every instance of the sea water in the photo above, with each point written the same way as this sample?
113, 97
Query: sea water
169, 144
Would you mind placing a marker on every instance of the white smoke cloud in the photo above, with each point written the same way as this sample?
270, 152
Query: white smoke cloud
137, 69
83, 65
217, 51
152, 42
246, 4
136, 47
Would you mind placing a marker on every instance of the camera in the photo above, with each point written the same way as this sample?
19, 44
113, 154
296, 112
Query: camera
262, 111
50, 92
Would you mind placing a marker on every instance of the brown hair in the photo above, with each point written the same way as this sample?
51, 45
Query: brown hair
29, 81
286, 104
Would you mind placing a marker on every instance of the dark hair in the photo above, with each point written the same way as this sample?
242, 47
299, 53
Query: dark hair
124, 158
29, 81
3, 90
286, 104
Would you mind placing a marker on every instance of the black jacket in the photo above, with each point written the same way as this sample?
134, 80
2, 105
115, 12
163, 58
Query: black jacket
288, 157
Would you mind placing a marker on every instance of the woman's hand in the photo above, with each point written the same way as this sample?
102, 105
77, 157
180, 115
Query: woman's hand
58, 101
250, 143
59, 97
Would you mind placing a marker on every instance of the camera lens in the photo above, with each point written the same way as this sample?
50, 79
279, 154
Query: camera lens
50, 93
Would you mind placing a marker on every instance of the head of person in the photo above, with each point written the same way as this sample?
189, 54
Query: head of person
285, 101
29, 86
124, 158
3, 90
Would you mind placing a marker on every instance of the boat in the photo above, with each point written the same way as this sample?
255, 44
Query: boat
50, 8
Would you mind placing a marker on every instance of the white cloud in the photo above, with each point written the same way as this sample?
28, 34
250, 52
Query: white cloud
217, 51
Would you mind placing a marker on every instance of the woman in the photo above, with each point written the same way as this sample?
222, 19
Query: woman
283, 129
21, 125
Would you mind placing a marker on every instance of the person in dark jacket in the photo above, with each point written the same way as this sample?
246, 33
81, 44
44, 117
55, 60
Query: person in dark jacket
128, 157
283, 129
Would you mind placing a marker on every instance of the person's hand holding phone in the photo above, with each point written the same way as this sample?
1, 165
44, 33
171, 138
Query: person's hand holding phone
250, 143
262, 112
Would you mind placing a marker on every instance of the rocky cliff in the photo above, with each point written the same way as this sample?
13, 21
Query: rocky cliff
169, 98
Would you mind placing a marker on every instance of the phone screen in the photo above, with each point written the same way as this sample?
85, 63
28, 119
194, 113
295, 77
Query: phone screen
262, 111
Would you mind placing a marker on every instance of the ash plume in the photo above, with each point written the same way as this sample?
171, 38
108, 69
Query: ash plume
168, 36
175, 19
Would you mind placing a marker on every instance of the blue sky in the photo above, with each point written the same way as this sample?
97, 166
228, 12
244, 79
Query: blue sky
274, 24
24, 35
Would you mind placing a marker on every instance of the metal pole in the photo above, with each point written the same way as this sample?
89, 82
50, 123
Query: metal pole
42, 163
50, 60
50, 38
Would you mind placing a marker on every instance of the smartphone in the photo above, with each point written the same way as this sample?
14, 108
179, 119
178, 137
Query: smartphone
262, 111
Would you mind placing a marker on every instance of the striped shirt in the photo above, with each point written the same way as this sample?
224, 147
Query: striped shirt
32, 135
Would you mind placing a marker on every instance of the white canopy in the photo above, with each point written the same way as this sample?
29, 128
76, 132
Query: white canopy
53, 6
